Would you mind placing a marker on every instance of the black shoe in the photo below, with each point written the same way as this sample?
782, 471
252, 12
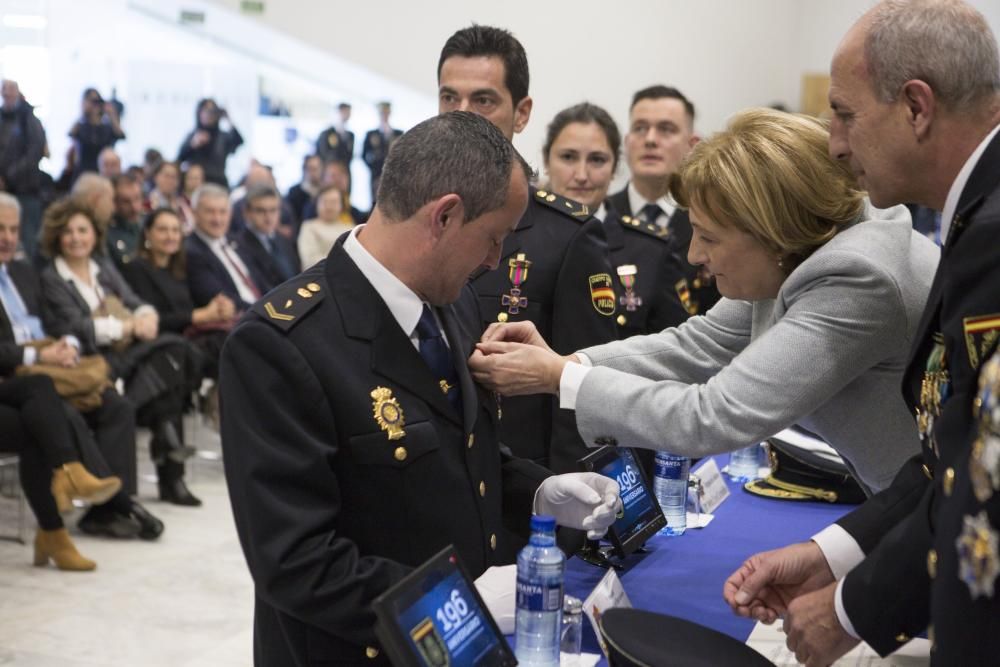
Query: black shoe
176, 491
110, 524
150, 527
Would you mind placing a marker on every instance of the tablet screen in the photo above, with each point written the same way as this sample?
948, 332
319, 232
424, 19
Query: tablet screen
438, 619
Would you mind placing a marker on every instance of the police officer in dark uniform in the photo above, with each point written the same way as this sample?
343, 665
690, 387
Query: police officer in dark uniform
377, 144
356, 443
554, 269
581, 151
929, 540
660, 135
336, 143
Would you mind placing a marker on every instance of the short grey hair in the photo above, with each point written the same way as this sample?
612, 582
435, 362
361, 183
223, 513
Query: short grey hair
88, 183
945, 43
454, 153
208, 191
8, 200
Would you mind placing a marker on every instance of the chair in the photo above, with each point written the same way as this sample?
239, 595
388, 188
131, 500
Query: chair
10, 487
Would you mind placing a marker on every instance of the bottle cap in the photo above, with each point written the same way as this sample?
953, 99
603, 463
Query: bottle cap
542, 523
572, 605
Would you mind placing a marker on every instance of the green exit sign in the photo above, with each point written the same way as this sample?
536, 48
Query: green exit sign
252, 6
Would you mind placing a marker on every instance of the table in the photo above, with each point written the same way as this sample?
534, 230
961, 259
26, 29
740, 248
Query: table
683, 576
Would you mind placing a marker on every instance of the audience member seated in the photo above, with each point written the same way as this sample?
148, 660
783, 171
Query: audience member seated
258, 175
87, 298
318, 235
336, 174
276, 256
109, 163
303, 192
208, 144
214, 264
166, 193
97, 129
151, 159
158, 275
35, 428
104, 434
126, 223
97, 194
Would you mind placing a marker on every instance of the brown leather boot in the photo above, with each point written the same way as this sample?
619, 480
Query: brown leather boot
56, 545
72, 480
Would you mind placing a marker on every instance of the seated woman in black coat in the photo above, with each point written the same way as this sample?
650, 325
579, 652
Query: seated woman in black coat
86, 296
158, 276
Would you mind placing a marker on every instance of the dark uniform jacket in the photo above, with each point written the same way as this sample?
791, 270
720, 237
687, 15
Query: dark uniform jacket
330, 509
570, 297
700, 293
888, 596
651, 304
335, 146
376, 148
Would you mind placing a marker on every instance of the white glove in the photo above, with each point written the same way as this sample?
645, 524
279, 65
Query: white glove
583, 500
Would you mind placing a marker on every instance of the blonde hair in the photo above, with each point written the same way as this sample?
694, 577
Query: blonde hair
769, 174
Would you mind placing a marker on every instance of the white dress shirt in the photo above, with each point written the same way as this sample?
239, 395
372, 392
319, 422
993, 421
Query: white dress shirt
666, 203
404, 304
226, 253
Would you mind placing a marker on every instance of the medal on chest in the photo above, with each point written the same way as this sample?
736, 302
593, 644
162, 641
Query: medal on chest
935, 388
627, 274
518, 274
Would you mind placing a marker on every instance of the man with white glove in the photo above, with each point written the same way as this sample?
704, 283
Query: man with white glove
582, 500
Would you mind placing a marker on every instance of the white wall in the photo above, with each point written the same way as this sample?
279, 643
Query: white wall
724, 54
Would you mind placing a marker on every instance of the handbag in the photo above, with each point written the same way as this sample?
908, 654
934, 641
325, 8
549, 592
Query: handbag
81, 385
800, 474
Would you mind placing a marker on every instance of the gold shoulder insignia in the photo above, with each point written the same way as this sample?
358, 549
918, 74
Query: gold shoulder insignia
637, 225
285, 306
568, 206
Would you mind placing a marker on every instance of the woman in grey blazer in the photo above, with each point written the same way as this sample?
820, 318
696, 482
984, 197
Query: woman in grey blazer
822, 297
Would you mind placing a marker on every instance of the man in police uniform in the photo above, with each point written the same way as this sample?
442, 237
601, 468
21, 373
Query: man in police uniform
924, 551
377, 144
336, 143
356, 443
554, 269
660, 135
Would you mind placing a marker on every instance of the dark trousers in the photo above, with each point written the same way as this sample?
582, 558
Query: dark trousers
111, 448
34, 427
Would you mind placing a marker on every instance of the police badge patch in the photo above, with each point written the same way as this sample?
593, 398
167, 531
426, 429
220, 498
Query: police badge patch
981, 335
602, 294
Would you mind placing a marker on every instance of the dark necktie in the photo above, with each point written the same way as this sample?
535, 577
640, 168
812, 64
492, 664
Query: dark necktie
650, 212
438, 357
243, 277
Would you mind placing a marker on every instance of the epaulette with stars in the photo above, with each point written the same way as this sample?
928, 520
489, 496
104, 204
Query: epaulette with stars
288, 304
571, 208
649, 229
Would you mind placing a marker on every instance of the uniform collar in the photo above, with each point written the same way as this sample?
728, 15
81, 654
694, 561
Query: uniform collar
403, 303
636, 201
955, 193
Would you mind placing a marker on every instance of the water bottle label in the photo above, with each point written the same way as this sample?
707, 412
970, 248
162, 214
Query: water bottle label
671, 468
539, 597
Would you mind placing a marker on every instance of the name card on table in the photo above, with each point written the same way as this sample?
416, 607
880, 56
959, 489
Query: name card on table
713, 489
607, 594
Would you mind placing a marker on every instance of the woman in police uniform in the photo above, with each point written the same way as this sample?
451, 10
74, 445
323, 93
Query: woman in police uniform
581, 153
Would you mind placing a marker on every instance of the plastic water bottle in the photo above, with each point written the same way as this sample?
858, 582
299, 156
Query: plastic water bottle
670, 485
540, 571
744, 464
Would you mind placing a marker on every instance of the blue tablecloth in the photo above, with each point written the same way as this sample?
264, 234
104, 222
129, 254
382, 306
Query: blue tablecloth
683, 576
